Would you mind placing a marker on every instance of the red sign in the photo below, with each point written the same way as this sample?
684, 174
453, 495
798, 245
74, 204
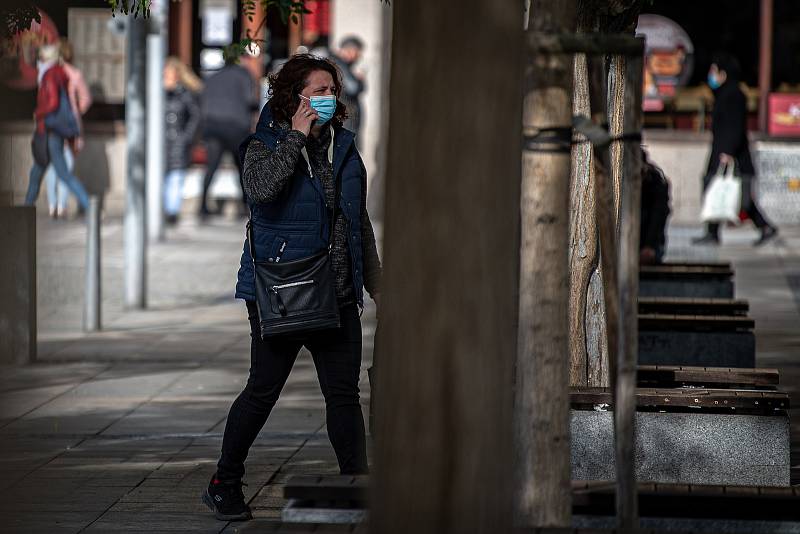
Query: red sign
784, 114
668, 62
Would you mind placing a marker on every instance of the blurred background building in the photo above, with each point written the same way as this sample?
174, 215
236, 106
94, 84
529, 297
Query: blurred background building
682, 38
198, 32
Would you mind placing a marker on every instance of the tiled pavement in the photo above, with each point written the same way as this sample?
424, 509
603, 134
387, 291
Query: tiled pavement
119, 430
768, 278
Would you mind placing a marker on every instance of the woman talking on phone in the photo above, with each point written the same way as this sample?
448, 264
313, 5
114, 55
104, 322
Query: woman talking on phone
305, 185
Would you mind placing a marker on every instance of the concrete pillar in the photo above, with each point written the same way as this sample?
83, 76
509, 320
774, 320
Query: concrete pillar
448, 334
135, 224
17, 285
371, 21
156, 122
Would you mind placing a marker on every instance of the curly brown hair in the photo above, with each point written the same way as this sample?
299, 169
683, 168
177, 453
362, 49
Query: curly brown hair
291, 79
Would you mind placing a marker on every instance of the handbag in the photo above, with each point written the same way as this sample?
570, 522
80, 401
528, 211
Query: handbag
723, 197
62, 120
298, 295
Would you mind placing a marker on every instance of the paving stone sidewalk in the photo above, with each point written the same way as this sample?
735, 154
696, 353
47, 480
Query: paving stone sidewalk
119, 431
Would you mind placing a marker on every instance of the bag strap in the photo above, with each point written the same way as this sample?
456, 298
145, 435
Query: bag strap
336, 197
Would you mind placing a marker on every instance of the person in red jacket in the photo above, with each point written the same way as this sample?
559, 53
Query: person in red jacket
53, 80
80, 99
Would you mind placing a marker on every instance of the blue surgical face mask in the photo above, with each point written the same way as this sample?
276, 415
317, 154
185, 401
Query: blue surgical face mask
713, 81
325, 106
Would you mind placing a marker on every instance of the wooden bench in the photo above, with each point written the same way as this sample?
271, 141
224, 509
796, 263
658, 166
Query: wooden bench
687, 435
730, 502
692, 306
686, 280
716, 400
669, 376
330, 499
696, 340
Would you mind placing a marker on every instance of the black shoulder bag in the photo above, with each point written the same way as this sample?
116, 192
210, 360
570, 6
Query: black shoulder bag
298, 295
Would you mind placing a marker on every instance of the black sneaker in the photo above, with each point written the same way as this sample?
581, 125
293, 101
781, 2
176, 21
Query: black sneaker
226, 500
766, 234
708, 239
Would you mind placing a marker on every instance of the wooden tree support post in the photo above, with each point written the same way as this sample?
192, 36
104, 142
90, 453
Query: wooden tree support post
541, 425
628, 333
620, 262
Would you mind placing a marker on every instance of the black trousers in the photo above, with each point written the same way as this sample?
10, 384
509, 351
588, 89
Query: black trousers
337, 358
220, 138
749, 206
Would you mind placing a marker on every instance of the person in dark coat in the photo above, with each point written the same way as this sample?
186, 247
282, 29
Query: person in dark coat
730, 143
182, 122
353, 84
229, 101
654, 213
302, 173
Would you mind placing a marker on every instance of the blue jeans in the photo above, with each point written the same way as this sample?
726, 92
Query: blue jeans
57, 193
173, 191
55, 149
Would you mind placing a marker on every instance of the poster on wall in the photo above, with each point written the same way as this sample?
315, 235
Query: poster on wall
669, 59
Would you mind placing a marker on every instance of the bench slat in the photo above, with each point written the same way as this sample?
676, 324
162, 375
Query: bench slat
668, 375
661, 321
761, 401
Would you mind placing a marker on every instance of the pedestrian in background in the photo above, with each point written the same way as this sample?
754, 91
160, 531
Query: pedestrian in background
182, 121
230, 99
730, 144
80, 100
55, 123
293, 172
353, 84
654, 213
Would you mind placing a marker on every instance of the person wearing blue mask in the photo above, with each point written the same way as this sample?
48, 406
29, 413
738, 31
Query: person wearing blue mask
730, 144
297, 164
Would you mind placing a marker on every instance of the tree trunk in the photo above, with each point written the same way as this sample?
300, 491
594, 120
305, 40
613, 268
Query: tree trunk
588, 347
616, 115
448, 341
587, 332
605, 213
543, 494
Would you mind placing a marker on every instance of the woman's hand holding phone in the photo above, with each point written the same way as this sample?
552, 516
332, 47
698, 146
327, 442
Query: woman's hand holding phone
304, 117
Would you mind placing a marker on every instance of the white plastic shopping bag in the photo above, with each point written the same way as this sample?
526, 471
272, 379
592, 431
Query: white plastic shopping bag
723, 197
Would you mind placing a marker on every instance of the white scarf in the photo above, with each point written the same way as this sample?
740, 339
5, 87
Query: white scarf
43, 66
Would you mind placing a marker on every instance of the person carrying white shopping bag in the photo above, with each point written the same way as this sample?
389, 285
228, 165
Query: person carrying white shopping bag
730, 145
723, 197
